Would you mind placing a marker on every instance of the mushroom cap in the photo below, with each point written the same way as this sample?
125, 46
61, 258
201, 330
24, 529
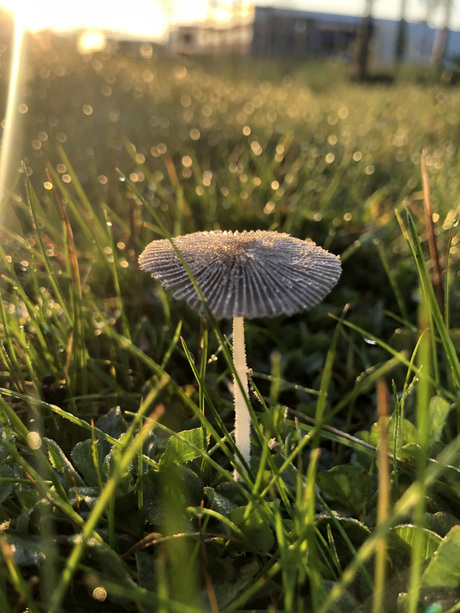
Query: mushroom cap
244, 274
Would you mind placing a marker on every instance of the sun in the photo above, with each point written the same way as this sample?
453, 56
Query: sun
148, 19
142, 18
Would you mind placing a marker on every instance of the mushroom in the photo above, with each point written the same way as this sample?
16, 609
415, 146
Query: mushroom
243, 274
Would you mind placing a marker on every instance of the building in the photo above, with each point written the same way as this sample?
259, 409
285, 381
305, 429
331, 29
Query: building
270, 32
233, 37
286, 32
279, 32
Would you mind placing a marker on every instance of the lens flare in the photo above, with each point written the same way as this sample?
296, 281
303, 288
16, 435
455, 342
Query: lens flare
7, 156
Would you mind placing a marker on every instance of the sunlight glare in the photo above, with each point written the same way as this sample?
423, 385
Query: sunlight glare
148, 19
222, 14
143, 18
11, 116
92, 40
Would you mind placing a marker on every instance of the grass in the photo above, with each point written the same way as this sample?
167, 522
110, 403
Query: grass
117, 456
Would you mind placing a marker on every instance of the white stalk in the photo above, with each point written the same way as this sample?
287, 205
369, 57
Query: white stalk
242, 416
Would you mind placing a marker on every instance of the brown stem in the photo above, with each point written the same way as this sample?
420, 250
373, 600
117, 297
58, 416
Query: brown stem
435, 263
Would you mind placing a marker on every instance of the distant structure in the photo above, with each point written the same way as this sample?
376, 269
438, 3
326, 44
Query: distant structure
421, 43
280, 32
287, 32
233, 36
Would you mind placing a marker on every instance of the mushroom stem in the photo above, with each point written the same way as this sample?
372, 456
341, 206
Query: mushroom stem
242, 416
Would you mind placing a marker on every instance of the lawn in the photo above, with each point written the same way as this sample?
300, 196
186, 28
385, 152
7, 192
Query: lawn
117, 489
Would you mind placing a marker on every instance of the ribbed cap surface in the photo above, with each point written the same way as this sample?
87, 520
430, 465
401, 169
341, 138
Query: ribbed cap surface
245, 274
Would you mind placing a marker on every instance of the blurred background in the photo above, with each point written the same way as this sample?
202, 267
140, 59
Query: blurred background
360, 40
409, 31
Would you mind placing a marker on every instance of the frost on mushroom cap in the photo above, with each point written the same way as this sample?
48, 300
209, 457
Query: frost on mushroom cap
244, 274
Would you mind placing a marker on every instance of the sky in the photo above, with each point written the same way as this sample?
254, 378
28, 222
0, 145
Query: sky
149, 18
